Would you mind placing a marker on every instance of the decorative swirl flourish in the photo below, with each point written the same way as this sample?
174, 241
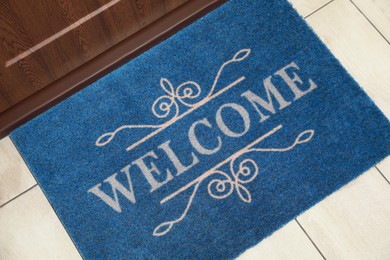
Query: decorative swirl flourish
246, 173
187, 94
223, 184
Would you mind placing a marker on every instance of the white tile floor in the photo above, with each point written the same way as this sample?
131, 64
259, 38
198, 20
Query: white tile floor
352, 223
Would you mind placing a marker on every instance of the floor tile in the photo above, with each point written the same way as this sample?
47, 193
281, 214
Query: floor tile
384, 168
15, 177
289, 242
354, 222
31, 230
378, 12
358, 46
307, 7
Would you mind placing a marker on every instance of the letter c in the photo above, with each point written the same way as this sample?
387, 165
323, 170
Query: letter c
195, 142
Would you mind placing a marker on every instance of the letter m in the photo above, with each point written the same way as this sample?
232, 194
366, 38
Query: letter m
267, 104
116, 187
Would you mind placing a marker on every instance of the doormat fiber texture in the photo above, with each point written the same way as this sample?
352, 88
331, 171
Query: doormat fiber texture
207, 143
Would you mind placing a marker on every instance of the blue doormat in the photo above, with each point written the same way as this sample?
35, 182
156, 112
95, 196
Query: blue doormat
207, 143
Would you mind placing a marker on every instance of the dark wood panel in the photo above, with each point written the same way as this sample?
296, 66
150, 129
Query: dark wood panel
25, 24
104, 63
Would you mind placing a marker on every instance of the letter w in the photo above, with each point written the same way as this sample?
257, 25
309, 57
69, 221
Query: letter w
116, 186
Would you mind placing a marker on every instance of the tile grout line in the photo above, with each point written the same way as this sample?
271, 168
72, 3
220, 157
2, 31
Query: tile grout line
388, 42
311, 240
17, 196
34, 176
44, 194
372, 24
307, 16
380, 172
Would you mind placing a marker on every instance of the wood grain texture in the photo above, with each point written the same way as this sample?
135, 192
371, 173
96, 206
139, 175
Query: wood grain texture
358, 46
104, 63
355, 216
15, 177
108, 59
305, 8
31, 230
288, 243
24, 24
354, 222
384, 168
378, 12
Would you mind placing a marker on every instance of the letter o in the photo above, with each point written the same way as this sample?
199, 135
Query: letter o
224, 128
